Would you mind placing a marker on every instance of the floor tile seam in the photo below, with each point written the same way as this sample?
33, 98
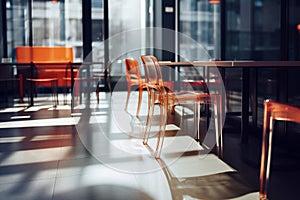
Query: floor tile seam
57, 165
55, 179
73, 175
61, 159
26, 181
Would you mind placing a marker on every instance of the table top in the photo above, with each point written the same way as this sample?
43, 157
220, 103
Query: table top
237, 63
51, 63
241, 63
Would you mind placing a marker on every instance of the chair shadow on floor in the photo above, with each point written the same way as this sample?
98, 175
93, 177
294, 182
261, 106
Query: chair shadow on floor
224, 183
191, 170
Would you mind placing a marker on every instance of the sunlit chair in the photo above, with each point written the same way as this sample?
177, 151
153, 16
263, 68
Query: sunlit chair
159, 95
273, 111
134, 78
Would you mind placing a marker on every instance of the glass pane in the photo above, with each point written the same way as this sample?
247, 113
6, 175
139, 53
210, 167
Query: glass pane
46, 24
17, 25
56, 23
294, 52
97, 21
98, 35
294, 30
253, 29
73, 26
253, 33
238, 30
126, 16
267, 14
201, 21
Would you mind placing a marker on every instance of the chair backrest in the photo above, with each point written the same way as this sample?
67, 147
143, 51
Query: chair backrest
273, 111
132, 69
44, 54
153, 74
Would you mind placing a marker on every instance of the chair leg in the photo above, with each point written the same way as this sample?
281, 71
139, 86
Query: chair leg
139, 100
220, 120
65, 95
173, 109
21, 93
54, 93
97, 92
151, 105
215, 106
266, 154
162, 129
197, 120
65, 89
128, 96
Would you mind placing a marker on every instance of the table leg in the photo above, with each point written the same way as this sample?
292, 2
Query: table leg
72, 85
254, 100
245, 105
31, 84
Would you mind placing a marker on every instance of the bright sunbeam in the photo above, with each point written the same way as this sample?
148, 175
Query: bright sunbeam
66, 121
12, 110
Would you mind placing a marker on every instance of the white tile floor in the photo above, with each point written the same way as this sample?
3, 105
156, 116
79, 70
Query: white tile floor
48, 157
45, 159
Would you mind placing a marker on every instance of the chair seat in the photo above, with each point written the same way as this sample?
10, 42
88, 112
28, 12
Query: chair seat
195, 83
42, 79
52, 82
137, 82
187, 97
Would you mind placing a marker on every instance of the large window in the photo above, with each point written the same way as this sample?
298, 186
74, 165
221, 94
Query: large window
252, 31
263, 30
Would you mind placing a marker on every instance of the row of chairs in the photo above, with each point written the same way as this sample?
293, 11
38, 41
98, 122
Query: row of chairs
160, 95
164, 97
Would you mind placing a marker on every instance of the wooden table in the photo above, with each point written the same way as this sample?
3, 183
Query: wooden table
246, 66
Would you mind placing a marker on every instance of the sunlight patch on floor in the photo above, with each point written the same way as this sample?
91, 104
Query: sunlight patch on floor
66, 121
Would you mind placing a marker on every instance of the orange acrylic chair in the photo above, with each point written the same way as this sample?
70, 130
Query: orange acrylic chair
273, 111
158, 94
134, 78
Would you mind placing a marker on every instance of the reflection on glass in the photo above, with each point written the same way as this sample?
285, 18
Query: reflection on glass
54, 23
125, 16
253, 30
200, 20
